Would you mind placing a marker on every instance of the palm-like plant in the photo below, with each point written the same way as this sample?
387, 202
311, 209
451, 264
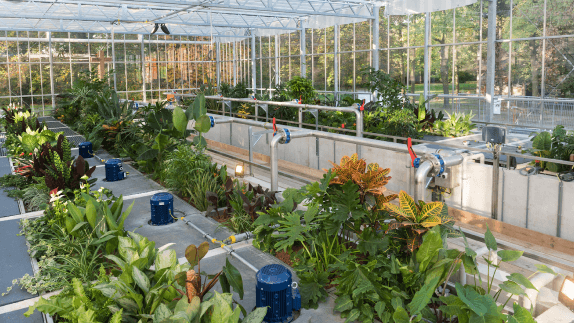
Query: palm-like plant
413, 221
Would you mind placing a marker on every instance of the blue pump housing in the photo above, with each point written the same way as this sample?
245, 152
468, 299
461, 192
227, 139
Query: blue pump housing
274, 290
85, 149
114, 170
161, 209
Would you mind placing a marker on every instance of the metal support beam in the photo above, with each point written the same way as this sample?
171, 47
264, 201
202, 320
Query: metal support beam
491, 59
277, 61
234, 63
143, 69
253, 65
375, 45
426, 55
51, 70
114, 58
218, 63
336, 62
303, 52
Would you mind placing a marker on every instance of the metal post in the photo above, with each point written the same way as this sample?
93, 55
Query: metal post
250, 135
277, 75
336, 62
51, 72
253, 64
375, 45
143, 70
559, 213
218, 67
495, 173
426, 56
303, 51
491, 59
234, 63
114, 58
300, 118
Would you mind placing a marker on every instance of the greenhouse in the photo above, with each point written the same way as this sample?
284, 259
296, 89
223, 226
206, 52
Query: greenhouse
287, 161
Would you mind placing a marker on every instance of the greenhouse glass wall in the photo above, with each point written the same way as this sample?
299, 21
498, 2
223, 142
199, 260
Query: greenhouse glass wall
533, 60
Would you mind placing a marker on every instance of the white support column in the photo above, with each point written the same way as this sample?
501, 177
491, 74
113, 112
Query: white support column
336, 61
253, 64
114, 58
375, 45
51, 71
277, 61
427, 58
303, 51
144, 96
234, 63
218, 63
490, 59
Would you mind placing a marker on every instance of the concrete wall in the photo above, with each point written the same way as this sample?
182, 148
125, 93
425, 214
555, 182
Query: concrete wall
534, 208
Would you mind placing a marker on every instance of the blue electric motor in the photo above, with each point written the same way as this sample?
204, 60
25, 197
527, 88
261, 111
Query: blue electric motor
85, 149
276, 290
161, 209
114, 170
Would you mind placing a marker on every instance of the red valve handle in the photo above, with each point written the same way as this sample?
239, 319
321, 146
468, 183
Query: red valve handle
411, 151
362, 106
274, 125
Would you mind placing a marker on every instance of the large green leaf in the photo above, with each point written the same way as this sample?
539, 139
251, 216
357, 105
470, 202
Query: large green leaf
141, 279
545, 269
423, 296
510, 255
472, 299
343, 303
190, 310
161, 142
179, 119
76, 213
512, 288
202, 124
125, 214
257, 316
199, 108
233, 278
353, 315
432, 243
199, 141
520, 279
162, 313
165, 259
401, 316
521, 315
91, 214
490, 240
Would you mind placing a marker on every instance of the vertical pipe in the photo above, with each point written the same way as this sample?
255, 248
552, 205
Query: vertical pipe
218, 67
234, 63
253, 64
359, 122
277, 62
249, 141
375, 40
559, 212
543, 71
336, 61
143, 69
426, 56
300, 114
51, 71
114, 58
303, 51
491, 60
495, 173
274, 160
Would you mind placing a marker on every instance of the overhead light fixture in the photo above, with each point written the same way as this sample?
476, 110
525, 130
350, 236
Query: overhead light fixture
566, 295
164, 29
155, 28
239, 170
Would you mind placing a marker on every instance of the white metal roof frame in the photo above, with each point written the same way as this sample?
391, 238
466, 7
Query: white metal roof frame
225, 18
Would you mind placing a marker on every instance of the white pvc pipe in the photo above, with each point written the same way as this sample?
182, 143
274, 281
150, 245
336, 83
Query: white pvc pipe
463, 180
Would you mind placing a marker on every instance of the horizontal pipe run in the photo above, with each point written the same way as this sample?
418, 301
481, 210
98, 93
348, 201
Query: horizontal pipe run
230, 251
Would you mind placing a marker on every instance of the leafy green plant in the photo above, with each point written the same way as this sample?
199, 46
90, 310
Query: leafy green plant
457, 124
301, 89
426, 119
413, 220
472, 303
558, 145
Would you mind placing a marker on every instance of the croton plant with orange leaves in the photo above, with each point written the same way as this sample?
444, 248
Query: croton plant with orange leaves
370, 178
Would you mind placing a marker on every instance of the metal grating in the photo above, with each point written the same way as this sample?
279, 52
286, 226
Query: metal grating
3, 151
76, 140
